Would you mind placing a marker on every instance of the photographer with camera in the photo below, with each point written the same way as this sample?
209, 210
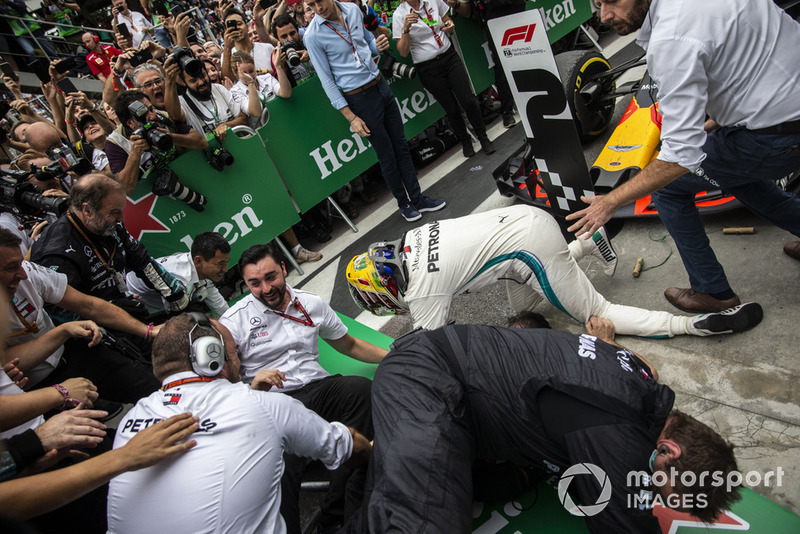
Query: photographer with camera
63, 166
252, 92
91, 245
295, 56
50, 354
422, 27
207, 107
140, 143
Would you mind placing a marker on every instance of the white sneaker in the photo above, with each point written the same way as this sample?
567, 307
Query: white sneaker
304, 255
599, 245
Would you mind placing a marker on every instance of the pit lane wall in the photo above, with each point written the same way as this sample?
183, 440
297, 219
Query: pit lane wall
309, 148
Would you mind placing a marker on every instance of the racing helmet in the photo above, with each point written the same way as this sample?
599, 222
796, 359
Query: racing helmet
377, 280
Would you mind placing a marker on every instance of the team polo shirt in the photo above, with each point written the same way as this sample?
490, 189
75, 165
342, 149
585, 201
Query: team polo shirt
42, 286
101, 63
268, 341
230, 481
424, 45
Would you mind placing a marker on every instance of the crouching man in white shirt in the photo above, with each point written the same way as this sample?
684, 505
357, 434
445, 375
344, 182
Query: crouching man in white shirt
198, 271
229, 482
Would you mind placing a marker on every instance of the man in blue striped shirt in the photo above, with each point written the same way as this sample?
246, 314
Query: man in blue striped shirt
341, 50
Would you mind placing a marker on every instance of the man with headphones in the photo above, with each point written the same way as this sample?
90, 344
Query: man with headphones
99, 58
277, 329
229, 482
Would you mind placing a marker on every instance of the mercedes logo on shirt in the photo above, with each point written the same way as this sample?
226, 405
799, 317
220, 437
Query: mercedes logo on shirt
255, 321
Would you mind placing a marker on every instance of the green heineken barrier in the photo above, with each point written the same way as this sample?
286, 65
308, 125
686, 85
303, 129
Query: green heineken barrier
247, 203
475, 51
313, 147
562, 16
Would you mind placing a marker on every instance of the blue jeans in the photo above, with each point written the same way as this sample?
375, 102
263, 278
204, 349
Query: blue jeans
27, 46
378, 109
743, 164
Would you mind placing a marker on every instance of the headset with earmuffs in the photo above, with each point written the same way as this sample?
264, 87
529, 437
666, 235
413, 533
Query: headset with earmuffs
96, 38
207, 353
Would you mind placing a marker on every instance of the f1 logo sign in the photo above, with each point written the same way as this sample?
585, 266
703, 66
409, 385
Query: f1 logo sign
515, 34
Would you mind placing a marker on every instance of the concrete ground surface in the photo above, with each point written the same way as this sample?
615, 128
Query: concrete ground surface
744, 385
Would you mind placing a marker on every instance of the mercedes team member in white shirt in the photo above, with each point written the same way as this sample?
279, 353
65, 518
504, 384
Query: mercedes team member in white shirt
229, 481
522, 246
197, 270
277, 329
735, 60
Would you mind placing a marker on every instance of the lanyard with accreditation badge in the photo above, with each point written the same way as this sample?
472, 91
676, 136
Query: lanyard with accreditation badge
299, 307
348, 41
426, 17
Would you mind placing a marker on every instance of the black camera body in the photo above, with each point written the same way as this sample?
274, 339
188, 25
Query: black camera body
20, 197
218, 157
65, 161
187, 62
149, 129
391, 68
292, 56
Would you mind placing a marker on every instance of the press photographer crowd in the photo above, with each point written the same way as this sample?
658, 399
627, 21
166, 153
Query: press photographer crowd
137, 395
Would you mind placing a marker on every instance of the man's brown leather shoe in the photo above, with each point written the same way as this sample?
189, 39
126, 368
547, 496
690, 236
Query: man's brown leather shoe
792, 249
690, 300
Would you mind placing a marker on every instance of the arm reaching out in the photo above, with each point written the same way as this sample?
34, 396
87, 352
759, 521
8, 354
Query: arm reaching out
28, 497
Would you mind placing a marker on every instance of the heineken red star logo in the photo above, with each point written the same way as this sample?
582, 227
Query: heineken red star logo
671, 520
139, 216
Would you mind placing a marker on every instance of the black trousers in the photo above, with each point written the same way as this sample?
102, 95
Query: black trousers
445, 76
420, 476
335, 398
500, 81
117, 377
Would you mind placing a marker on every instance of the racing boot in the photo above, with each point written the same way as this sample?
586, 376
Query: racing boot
599, 245
736, 319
